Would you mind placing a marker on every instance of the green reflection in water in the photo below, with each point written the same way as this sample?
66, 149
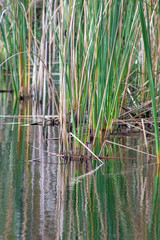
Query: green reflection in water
154, 230
11, 178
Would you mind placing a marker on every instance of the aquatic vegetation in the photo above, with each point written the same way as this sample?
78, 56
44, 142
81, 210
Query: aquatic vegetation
97, 59
92, 70
147, 47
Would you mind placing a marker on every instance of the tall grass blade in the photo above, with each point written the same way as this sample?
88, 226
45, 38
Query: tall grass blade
146, 40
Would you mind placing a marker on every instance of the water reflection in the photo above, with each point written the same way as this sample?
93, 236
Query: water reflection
40, 200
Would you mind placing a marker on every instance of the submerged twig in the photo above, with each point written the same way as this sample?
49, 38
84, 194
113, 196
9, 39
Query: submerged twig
87, 157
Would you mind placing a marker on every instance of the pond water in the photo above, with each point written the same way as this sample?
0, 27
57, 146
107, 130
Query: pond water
41, 197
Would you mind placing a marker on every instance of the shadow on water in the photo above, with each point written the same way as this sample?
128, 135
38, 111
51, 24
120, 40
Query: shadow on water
42, 197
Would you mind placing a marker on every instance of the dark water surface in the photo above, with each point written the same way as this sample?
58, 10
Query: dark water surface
45, 199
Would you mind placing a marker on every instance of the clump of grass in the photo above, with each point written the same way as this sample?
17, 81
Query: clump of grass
13, 33
99, 51
104, 54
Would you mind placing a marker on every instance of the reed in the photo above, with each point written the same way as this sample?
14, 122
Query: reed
97, 48
13, 34
148, 53
103, 53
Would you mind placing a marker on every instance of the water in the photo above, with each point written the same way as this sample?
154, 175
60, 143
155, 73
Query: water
43, 198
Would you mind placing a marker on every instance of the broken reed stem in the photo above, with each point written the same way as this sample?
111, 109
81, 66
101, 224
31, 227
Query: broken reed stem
87, 148
121, 145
